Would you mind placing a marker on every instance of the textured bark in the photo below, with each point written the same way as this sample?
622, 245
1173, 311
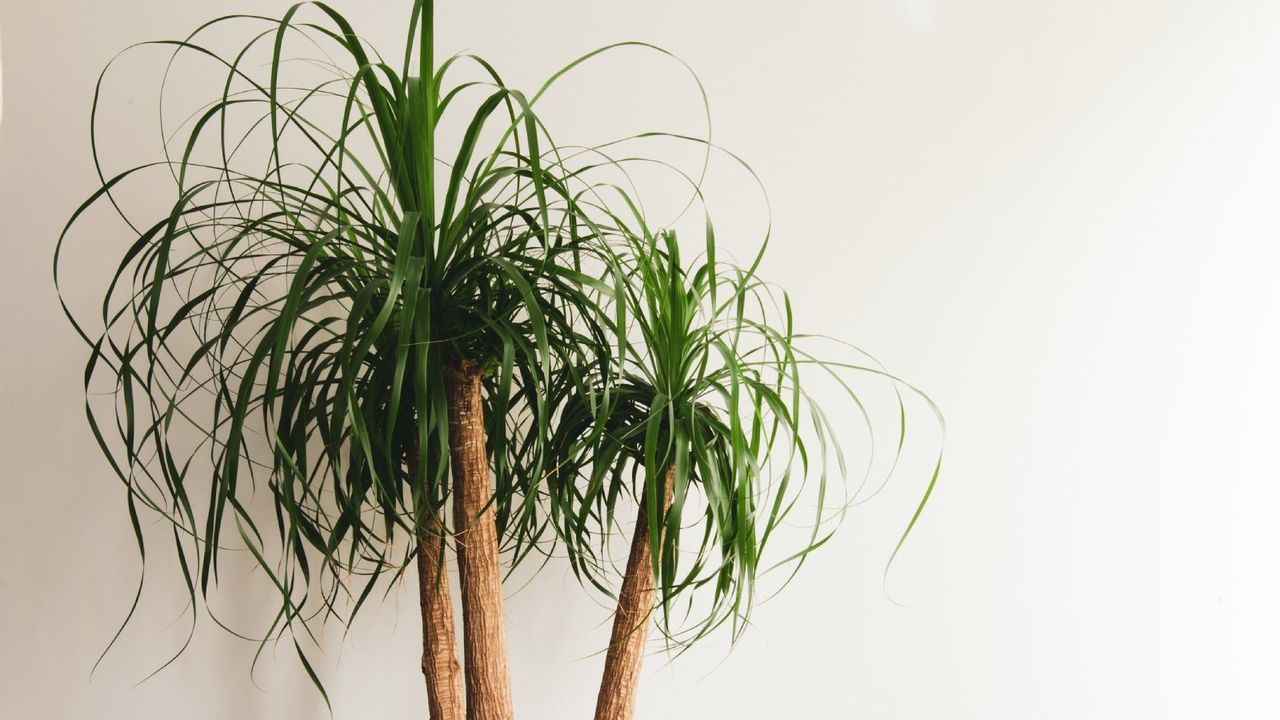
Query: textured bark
439, 644
617, 698
479, 574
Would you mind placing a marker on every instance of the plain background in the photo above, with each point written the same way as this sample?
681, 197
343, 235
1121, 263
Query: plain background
1059, 218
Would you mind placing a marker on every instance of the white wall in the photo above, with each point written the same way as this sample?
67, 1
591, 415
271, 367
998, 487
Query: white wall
1058, 218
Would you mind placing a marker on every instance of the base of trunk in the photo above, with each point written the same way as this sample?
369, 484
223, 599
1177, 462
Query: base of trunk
439, 644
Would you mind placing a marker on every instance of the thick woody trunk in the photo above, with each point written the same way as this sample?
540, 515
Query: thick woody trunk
617, 699
439, 644
484, 635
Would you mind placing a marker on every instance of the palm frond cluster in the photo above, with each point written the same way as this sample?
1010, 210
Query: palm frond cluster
286, 324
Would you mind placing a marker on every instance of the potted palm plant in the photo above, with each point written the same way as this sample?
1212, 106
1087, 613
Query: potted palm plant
425, 354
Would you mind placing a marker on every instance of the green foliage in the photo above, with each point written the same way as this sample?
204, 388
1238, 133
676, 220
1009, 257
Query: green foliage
295, 320
287, 322
714, 386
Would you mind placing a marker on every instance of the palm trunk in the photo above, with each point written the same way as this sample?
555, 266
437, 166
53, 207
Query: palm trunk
439, 644
484, 637
617, 699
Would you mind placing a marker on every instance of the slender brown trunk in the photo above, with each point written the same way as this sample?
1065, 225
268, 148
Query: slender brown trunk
439, 644
617, 699
484, 637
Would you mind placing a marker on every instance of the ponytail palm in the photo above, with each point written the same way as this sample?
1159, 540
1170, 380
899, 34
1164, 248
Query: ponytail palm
336, 317
337, 330
711, 434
